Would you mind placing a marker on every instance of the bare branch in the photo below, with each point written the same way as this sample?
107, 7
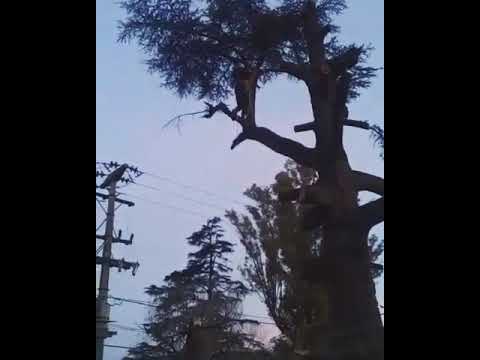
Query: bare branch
368, 182
296, 70
304, 127
177, 119
371, 214
287, 147
211, 110
311, 125
357, 123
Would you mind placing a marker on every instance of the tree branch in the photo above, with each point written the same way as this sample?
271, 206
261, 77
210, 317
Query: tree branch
296, 70
287, 147
357, 123
211, 110
225, 45
304, 127
368, 182
353, 123
371, 214
347, 60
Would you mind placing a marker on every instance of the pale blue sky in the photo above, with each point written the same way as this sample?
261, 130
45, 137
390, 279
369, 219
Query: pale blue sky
131, 108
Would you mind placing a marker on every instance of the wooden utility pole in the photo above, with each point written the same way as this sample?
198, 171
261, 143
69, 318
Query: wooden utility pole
106, 261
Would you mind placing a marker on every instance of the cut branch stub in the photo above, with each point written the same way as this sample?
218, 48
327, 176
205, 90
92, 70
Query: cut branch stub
310, 126
304, 127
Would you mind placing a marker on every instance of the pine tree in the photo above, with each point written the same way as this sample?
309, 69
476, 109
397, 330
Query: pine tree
203, 295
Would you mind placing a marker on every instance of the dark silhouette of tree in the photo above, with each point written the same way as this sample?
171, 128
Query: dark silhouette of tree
377, 248
278, 249
200, 48
378, 137
201, 296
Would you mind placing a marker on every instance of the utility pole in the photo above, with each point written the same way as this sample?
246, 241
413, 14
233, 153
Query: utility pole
106, 261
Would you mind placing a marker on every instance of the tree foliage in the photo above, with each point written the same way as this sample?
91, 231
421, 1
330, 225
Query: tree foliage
278, 250
379, 138
202, 293
194, 45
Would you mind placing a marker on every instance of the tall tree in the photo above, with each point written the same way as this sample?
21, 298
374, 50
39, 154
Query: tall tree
201, 296
213, 47
278, 253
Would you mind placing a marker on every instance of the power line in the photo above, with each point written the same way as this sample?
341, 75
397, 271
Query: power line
101, 224
191, 187
182, 196
144, 303
164, 178
127, 328
186, 186
176, 208
100, 248
101, 205
119, 347
257, 316
178, 183
133, 301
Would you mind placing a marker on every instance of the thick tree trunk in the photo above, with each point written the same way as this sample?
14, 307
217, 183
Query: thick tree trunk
353, 329
202, 343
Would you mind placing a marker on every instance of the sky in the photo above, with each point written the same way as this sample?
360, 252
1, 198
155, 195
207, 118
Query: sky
195, 174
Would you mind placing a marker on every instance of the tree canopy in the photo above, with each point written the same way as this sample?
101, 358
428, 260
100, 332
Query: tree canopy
195, 45
213, 48
279, 251
203, 294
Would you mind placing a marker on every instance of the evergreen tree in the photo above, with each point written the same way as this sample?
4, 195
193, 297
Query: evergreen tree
201, 295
